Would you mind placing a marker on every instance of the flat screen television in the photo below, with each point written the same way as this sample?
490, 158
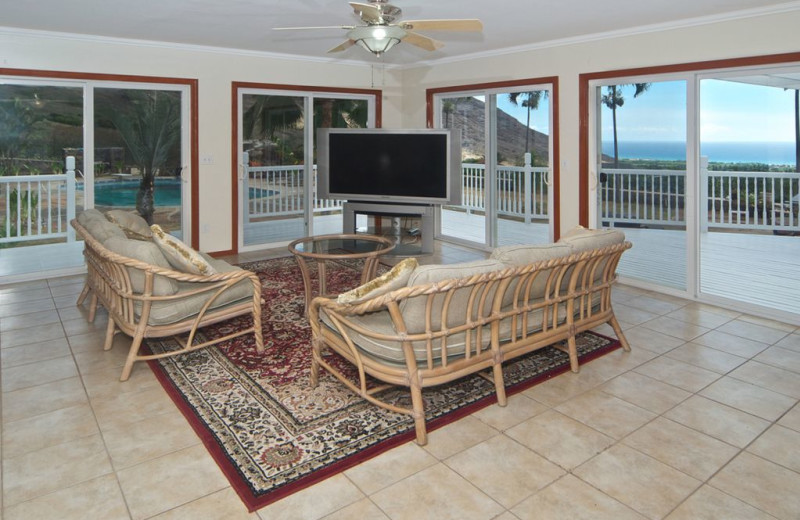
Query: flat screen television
421, 166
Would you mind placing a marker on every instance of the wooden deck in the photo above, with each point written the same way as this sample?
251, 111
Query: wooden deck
758, 269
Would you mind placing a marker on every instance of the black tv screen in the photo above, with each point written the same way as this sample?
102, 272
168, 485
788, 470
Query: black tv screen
386, 165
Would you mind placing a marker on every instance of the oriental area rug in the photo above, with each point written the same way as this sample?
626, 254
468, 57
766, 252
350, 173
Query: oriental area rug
271, 433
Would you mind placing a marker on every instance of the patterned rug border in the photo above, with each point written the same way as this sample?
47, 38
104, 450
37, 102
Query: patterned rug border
253, 502
254, 499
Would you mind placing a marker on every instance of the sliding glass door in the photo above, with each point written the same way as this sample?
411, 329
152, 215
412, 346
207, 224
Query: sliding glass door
140, 160
465, 116
277, 172
641, 176
700, 170
507, 199
130, 145
749, 248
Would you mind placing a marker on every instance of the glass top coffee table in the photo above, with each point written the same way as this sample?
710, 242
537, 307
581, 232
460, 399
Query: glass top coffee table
337, 247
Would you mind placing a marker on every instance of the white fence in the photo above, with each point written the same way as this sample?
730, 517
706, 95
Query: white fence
516, 185
273, 191
734, 200
37, 207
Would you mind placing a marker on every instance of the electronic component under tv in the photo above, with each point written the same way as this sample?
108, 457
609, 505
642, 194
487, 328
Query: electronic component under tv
400, 166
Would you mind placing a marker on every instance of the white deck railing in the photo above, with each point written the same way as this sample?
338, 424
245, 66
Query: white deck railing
37, 207
515, 186
272, 191
735, 200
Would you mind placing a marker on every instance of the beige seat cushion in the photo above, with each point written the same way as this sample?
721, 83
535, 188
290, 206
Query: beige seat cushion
166, 312
146, 252
392, 351
131, 223
396, 278
179, 255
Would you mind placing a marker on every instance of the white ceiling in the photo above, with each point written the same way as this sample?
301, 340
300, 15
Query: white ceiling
246, 24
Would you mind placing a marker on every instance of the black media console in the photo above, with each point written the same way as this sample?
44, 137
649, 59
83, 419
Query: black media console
411, 225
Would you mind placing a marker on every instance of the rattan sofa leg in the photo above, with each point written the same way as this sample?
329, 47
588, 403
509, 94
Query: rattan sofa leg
84, 293
573, 354
133, 355
111, 329
620, 335
92, 307
499, 384
418, 406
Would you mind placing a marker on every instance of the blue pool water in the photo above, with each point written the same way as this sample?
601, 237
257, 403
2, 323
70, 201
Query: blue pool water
122, 193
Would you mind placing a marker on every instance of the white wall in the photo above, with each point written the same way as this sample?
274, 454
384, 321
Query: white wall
214, 71
731, 39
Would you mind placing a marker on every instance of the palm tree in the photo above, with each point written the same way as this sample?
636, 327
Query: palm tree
150, 126
530, 100
613, 99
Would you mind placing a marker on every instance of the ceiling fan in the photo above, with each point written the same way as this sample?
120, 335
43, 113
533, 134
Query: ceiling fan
380, 33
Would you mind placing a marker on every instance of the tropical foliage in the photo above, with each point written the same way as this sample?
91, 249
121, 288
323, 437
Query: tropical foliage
150, 126
613, 99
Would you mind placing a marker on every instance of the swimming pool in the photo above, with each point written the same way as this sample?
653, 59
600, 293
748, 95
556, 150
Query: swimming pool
122, 193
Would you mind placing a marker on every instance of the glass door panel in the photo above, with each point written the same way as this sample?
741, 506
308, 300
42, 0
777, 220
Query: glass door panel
273, 144
138, 154
749, 245
642, 177
523, 167
41, 124
332, 112
466, 115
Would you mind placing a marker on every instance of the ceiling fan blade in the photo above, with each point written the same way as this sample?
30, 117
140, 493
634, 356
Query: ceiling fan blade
368, 12
467, 25
347, 27
423, 42
342, 46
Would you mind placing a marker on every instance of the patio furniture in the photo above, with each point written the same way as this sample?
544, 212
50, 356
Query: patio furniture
323, 248
449, 321
146, 297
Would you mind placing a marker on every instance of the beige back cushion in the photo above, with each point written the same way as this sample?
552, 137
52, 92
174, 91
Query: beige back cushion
86, 216
149, 253
582, 239
527, 254
396, 278
101, 229
179, 255
518, 255
413, 309
131, 223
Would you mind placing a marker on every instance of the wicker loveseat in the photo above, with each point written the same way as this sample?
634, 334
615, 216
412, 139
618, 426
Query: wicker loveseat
147, 297
427, 325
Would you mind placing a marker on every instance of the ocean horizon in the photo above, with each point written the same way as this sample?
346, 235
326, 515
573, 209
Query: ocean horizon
774, 153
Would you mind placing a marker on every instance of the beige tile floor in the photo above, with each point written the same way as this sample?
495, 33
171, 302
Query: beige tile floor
700, 421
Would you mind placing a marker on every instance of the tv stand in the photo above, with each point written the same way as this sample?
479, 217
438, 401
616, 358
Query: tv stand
417, 239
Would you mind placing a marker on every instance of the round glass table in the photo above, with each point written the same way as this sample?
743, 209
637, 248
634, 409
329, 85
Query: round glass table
337, 247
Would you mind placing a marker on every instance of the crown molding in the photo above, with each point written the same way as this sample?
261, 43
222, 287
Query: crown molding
608, 35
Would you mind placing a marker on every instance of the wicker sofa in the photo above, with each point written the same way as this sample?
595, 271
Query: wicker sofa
149, 294
421, 326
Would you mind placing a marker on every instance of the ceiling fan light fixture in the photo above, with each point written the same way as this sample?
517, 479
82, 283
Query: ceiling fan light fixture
377, 39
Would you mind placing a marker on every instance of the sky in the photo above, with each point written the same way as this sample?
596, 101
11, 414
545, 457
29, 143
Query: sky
730, 112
